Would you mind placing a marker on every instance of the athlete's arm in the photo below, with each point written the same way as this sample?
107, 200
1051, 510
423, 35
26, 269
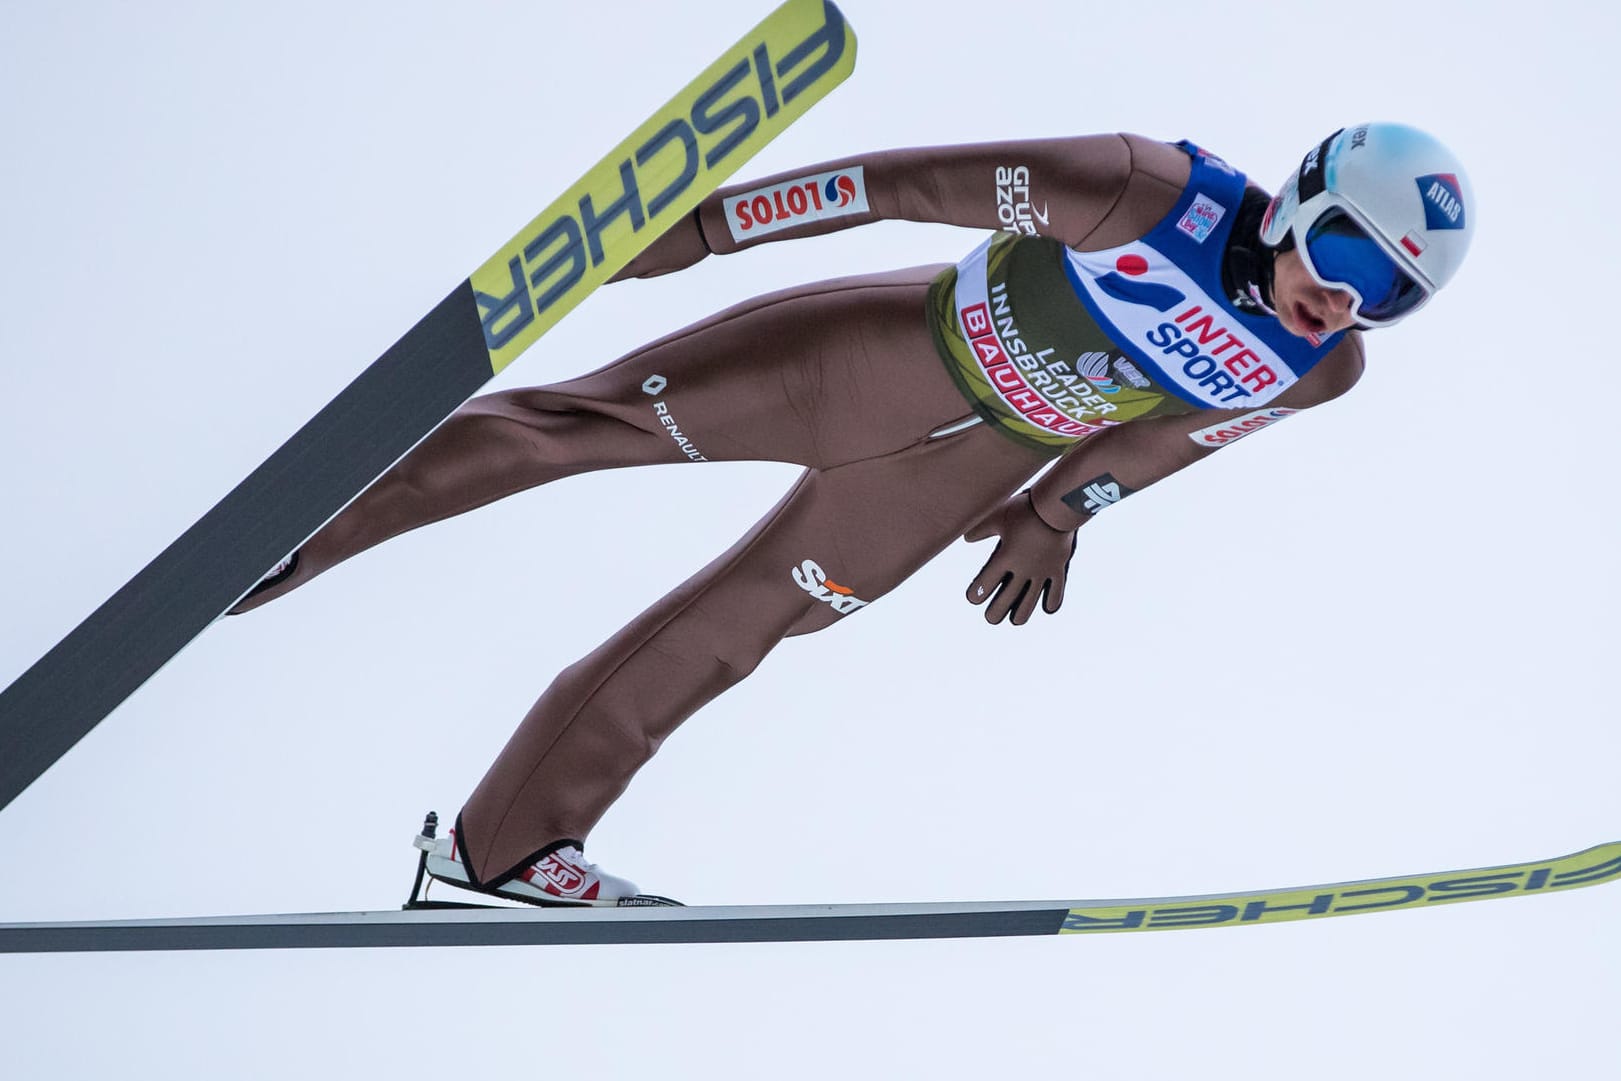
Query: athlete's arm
1141, 452
1036, 528
1062, 188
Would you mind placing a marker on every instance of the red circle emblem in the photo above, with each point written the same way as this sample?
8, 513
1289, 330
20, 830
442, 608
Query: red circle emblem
1131, 264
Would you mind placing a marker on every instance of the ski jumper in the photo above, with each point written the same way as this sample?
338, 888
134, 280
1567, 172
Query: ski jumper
1095, 327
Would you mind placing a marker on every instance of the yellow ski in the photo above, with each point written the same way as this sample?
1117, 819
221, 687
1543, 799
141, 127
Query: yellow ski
685, 150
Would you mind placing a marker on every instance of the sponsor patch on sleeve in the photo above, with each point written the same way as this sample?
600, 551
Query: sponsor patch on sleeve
1096, 495
1202, 217
799, 201
1229, 431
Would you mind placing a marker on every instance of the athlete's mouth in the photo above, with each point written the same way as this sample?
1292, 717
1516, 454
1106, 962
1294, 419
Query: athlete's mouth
1306, 320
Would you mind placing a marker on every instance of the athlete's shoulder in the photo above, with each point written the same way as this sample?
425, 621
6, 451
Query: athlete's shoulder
1157, 160
1152, 176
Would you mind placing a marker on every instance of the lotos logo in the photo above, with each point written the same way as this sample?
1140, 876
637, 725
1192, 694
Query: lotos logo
810, 577
795, 202
1230, 431
841, 190
1159, 297
1443, 201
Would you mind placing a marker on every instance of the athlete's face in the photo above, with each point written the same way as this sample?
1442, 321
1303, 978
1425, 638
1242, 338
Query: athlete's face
1303, 306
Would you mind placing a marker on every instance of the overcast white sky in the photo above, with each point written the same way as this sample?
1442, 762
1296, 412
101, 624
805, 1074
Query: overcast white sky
1376, 640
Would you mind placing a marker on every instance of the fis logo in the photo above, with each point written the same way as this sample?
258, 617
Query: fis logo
1443, 201
1094, 368
546, 264
810, 577
805, 199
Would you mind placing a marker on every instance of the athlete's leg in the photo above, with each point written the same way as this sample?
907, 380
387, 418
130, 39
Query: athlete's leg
865, 526
817, 375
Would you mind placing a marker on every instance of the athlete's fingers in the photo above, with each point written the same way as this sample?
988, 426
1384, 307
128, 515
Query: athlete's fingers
1055, 585
1052, 595
1024, 606
994, 609
1010, 593
989, 577
995, 597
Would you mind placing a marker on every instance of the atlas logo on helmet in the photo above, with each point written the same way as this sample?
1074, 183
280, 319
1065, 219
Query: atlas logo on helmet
1443, 201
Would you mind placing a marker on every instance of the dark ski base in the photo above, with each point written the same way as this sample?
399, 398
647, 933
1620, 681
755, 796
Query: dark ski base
477, 926
370, 425
534, 927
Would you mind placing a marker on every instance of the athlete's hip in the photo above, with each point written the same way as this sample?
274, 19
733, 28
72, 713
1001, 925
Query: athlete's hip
820, 374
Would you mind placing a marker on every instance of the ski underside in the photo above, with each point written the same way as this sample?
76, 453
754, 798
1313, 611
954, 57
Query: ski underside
481, 926
649, 181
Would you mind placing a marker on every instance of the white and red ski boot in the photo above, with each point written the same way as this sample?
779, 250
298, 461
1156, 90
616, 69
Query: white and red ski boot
562, 877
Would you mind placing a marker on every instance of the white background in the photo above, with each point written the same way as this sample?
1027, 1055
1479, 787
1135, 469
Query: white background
1376, 640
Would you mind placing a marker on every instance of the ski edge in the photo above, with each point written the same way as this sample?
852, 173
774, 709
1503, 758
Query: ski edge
822, 922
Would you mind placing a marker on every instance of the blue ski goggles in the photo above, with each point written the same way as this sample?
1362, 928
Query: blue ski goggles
1341, 254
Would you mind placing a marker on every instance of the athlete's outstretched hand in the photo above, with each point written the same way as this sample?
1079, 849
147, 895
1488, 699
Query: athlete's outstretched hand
682, 245
1029, 564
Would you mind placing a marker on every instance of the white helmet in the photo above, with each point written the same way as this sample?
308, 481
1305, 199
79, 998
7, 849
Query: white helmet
1383, 211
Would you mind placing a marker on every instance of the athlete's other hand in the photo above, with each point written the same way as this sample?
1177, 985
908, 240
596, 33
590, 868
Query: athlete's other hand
680, 246
1030, 563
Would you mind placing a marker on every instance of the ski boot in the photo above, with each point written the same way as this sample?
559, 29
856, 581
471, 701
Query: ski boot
562, 877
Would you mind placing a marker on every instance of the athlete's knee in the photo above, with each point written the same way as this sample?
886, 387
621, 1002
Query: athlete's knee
485, 443
735, 660
492, 417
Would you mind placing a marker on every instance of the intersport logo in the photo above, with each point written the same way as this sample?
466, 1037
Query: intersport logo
1167, 321
790, 203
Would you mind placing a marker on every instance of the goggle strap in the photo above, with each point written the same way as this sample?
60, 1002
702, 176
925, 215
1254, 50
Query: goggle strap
1313, 170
